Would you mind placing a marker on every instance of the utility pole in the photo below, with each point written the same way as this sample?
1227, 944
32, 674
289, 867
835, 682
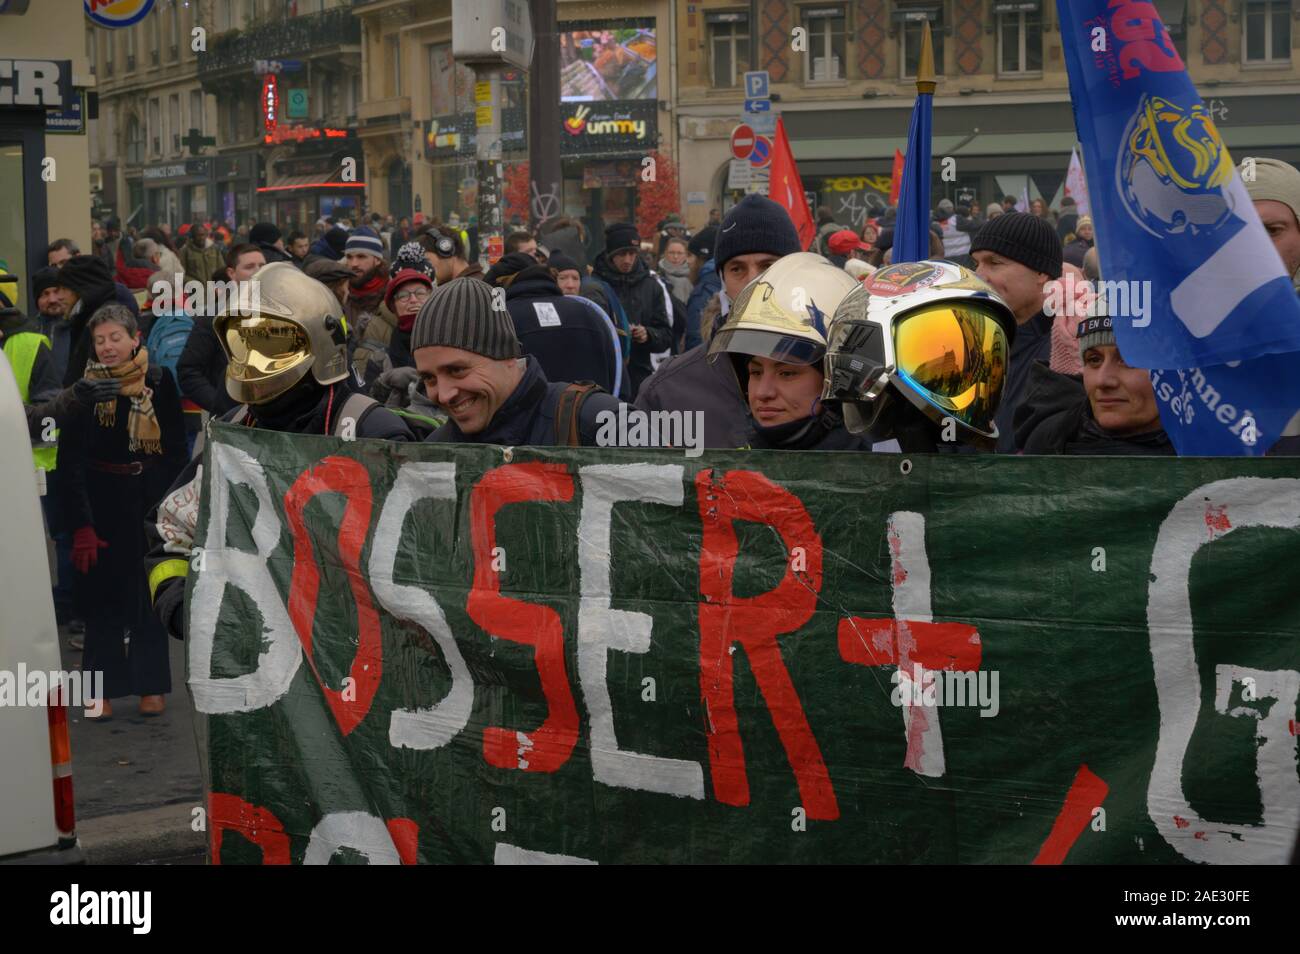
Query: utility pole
545, 177
487, 113
754, 45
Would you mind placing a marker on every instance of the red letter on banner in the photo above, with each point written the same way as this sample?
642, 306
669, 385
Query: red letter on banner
755, 622
258, 825
548, 747
344, 476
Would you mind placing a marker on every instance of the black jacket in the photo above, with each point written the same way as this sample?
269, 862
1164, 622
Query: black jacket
1032, 342
273, 253
1055, 417
826, 432
527, 418
643, 299
568, 338
201, 369
171, 523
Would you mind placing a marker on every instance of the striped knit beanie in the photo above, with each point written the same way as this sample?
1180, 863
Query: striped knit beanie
460, 314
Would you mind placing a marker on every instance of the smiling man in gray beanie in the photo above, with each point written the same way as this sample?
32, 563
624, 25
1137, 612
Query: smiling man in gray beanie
471, 365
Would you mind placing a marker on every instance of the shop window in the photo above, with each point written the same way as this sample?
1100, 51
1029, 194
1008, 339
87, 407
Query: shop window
728, 48
1020, 37
824, 61
909, 36
1266, 28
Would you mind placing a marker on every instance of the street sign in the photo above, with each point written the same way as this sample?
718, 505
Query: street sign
762, 153
297, 104
739, 174
742, 141
195, 140
756, 85
758, 105
764, 124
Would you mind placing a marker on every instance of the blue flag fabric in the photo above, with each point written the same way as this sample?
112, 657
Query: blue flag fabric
912, 227
1171, 212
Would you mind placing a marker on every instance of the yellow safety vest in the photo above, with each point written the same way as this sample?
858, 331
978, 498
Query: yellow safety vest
21, 350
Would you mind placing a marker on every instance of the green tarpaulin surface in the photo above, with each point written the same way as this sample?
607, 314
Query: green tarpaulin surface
473, 654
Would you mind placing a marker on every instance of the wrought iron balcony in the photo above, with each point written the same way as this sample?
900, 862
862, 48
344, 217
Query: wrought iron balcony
285, 39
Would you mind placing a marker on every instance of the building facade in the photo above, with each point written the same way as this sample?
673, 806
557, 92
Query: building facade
44, 159
1002, 108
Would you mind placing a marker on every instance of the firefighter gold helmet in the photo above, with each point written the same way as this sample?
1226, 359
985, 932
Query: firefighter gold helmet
279, 328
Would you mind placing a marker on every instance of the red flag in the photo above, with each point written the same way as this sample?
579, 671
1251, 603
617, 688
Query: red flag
896, 180
785, 188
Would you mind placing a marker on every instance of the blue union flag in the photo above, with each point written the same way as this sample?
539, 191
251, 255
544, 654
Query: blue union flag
1171, 210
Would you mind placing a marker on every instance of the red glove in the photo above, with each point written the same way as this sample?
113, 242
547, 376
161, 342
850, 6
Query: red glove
85, 548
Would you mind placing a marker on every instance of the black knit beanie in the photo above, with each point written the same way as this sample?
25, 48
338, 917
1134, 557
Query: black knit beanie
559, 262
264, 233
704, 242
1023, 238
508, 266
755, 224
621, 235
44, 278
85, 275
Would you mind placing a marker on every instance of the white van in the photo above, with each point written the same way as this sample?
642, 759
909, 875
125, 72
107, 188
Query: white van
37, 824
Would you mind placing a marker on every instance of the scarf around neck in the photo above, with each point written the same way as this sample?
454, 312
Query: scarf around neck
143, 432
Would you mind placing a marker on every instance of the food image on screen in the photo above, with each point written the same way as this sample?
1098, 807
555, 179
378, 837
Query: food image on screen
617, 62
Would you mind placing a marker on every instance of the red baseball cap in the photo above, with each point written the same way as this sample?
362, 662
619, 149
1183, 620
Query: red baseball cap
845, 241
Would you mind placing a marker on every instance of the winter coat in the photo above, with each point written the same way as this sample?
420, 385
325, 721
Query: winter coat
169, 266
80, 350
171, 523
1055, 417
201, 369
678, 278
59, 330
707, 284
571, 340
1033, 342
383, 345
1075, 251
527, 418
825, 432
644, 302
361, 309
199, 263
824, 232
273, 253
44, 381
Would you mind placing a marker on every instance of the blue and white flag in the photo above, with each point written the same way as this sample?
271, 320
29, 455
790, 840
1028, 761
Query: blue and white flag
1176, 226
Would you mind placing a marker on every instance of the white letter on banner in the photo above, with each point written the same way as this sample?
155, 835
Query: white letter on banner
601, 629
437, 725
281, 655
911, 575
360, 831
511, 855
1209, 513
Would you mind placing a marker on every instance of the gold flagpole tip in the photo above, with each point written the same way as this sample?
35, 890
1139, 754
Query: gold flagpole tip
925, 76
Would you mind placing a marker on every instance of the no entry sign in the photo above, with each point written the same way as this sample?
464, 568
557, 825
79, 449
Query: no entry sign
742, 141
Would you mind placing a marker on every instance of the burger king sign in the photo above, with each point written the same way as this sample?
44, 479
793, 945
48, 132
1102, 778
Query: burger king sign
117, 13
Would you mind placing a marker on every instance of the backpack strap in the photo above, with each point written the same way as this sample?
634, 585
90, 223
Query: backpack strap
356, 407
568, 412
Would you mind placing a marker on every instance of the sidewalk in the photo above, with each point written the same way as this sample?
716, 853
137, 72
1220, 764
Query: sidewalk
136, 779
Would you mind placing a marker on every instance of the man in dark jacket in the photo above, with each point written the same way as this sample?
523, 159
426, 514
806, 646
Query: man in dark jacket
330, 246
473, 367
311, 397
268, 238
755, 233
571, 340
705, 281
1018, 254
87, 283
641, 296
51, 313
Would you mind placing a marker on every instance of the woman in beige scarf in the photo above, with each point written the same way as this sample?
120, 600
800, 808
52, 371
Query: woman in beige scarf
115, 461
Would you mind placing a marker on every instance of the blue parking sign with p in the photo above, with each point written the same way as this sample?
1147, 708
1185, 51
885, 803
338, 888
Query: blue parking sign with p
756, 85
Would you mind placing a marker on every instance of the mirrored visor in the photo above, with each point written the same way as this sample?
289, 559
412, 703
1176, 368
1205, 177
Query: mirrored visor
788, 349
261, 346
955, 356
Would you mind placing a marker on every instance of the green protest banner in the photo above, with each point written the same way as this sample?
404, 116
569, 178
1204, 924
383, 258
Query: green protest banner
474, 654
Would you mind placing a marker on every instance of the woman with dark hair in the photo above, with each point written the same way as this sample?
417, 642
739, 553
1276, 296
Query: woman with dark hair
116, 459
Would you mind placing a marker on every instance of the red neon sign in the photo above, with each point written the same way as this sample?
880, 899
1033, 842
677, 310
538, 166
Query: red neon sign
270, 102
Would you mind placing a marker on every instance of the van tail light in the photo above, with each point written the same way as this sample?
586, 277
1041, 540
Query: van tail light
61, 763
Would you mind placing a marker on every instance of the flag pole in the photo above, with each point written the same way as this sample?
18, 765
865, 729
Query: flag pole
926, 81
912, 233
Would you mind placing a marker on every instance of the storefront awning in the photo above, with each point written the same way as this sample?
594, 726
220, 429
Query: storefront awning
992, 144
317, 180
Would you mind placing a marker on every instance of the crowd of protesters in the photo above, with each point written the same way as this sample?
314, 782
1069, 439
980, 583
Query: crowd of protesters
397, 327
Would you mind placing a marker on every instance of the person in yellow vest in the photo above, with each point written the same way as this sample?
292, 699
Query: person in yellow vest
32, 361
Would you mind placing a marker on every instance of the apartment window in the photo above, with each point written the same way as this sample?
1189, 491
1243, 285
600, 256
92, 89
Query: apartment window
134, 142
155, 128
1020, 36
728, 47
1267, 30
395, 58
913, 27
130, 49
90, 50
173, 30
196, 111
174, 121
825, 60
153, 37
232, 121
250, 11
328, 89
223, 14
1173, 14
354, 94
